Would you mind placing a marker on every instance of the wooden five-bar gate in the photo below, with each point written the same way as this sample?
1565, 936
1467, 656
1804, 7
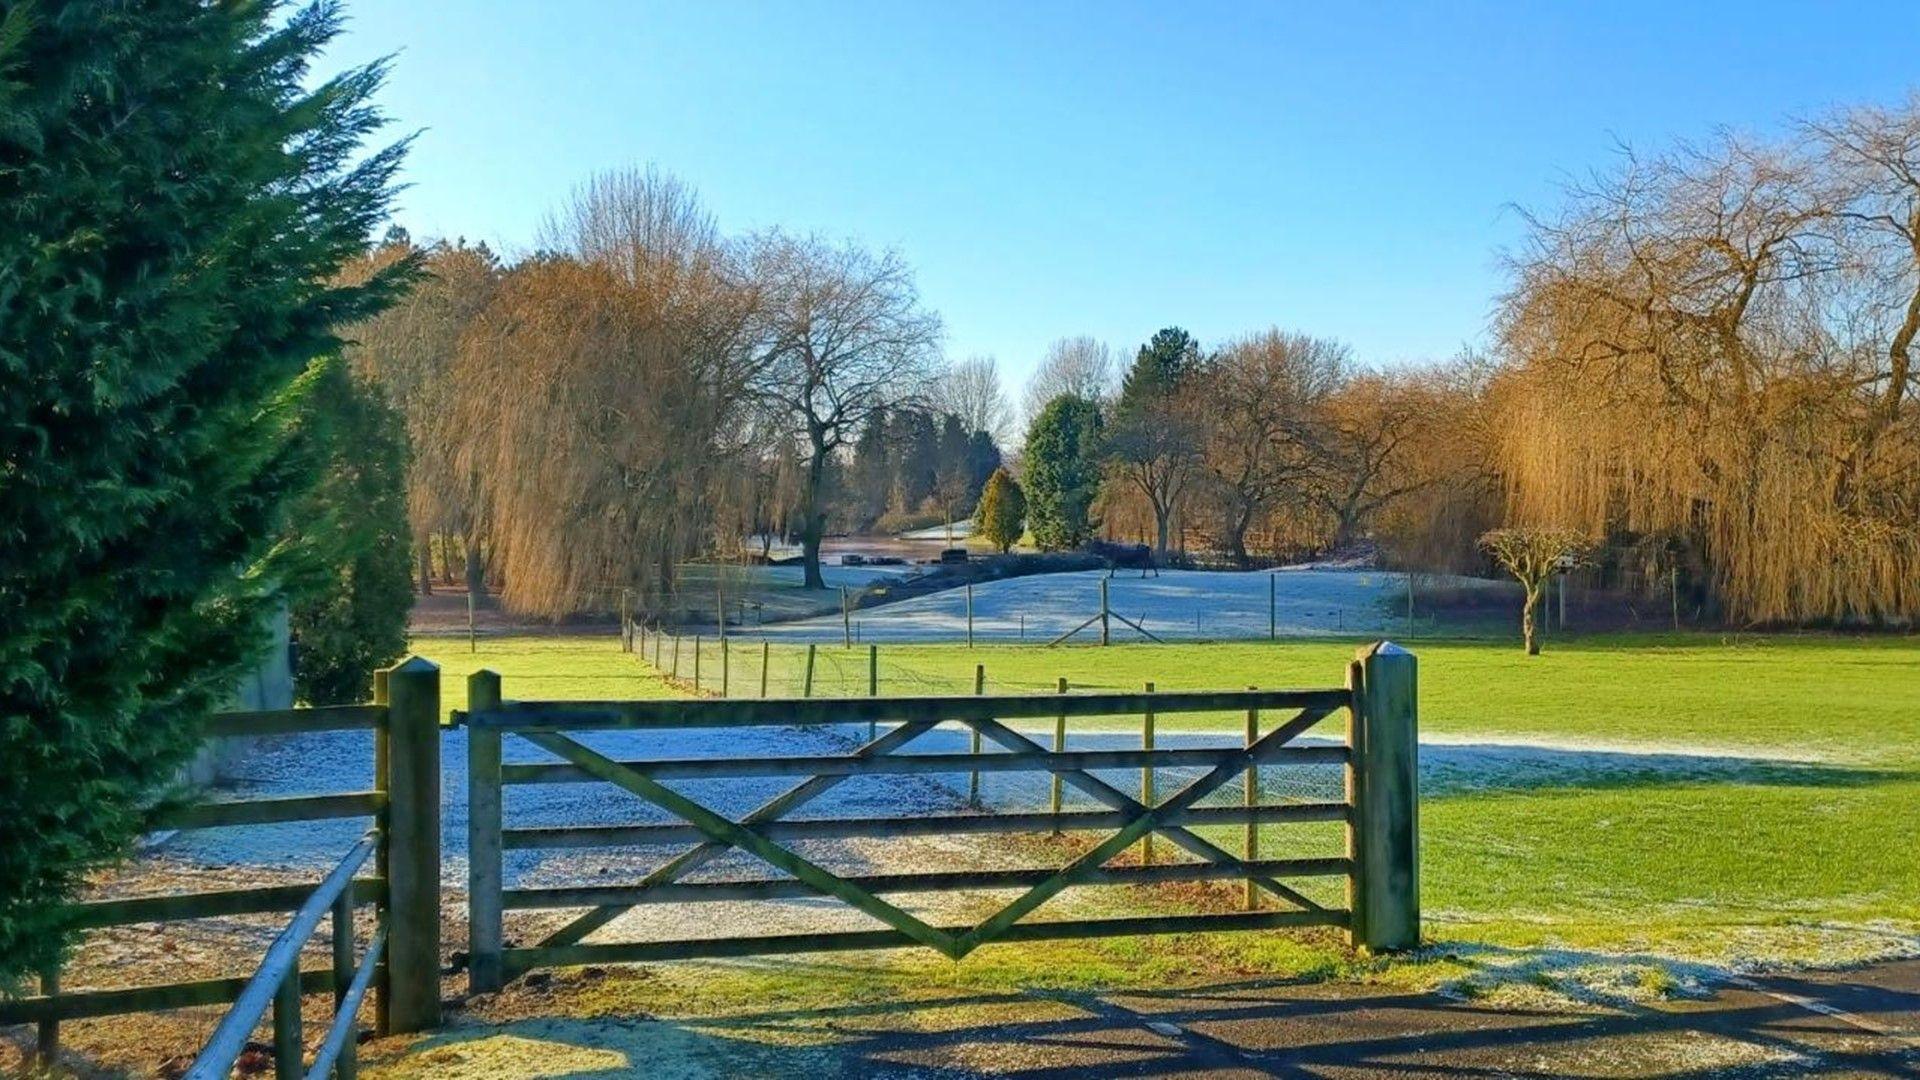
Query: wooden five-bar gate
1378, 809
400, 965
401, 962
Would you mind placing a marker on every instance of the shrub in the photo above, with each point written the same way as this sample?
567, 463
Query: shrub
1002, 514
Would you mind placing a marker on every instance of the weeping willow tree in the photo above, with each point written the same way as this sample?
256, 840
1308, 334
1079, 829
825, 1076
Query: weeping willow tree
409, 350
601, 407
1710, 350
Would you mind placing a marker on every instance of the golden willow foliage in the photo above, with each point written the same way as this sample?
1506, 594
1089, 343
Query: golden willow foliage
1710, 347
410, 349
602, 393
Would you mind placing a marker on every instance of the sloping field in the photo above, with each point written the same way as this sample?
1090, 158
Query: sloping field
1178, 604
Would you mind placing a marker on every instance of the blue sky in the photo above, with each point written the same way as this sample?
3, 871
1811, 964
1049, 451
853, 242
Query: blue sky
1056, 169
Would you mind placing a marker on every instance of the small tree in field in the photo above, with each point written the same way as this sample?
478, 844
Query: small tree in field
1531, 556
1002, 514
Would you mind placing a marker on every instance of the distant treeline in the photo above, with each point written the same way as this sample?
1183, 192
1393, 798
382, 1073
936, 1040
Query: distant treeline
1703, 366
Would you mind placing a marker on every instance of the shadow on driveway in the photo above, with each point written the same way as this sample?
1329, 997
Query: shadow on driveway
1859, 1023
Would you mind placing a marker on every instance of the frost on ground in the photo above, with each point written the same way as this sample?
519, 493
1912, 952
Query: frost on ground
1177, 604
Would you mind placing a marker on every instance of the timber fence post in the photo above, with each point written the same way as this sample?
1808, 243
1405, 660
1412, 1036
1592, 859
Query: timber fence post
1146, 778
1059, 744
413, 839
873, 687
46, 1047
484, 930
765, 652
1105, 629
382, 758
806, 683
1383, 786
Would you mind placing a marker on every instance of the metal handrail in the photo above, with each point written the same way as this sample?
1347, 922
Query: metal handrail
276, 984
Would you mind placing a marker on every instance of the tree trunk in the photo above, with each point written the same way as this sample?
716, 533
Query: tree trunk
1527, 630
1237, 524
426, 566
811, 533
1160, 515
476, 569
814, 517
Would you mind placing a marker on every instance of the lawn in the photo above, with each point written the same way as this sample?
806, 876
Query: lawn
1710, 798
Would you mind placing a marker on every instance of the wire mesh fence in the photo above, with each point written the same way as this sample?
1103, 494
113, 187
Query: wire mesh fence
745, 667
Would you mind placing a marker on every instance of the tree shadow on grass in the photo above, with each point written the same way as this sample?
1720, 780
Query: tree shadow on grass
1263, 1027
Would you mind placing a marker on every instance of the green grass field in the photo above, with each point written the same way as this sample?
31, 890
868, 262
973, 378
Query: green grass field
1721, 799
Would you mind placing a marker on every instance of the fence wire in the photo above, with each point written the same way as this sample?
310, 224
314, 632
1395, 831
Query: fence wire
740, 667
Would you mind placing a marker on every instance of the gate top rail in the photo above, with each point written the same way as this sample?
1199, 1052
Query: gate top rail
668, 713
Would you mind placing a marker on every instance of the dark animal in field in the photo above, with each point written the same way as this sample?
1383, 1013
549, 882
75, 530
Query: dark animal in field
1125, 556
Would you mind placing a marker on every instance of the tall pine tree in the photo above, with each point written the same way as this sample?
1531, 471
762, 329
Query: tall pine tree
176, 205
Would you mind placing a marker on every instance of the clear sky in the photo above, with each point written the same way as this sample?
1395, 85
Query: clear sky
1108, 169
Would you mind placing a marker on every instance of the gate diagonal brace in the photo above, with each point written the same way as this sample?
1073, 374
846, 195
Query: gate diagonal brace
1145, 819
771, 810
736, 835
1185, 838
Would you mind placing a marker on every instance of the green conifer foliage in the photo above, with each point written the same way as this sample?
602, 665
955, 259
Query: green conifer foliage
1063, 472
1002, 515
175, 206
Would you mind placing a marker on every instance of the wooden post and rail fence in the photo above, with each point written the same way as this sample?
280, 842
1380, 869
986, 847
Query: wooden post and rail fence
400, 965
401, 962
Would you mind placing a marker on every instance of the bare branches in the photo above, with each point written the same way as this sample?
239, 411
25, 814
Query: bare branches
1713, 345
1533, 556
840, 334
1080, 366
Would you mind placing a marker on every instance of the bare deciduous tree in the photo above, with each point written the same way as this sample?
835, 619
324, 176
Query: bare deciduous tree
1261, 397
841, 333
1363, 456
970, 390
1080, 366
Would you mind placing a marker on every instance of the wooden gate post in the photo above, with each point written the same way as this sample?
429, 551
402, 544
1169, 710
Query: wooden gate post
413, 842
484, 931
1383, 786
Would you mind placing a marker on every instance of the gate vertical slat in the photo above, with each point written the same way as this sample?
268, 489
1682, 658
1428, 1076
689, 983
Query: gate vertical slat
1251, 850
1059, 744
973, 744
484, 928
288, 1053
347, 1065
